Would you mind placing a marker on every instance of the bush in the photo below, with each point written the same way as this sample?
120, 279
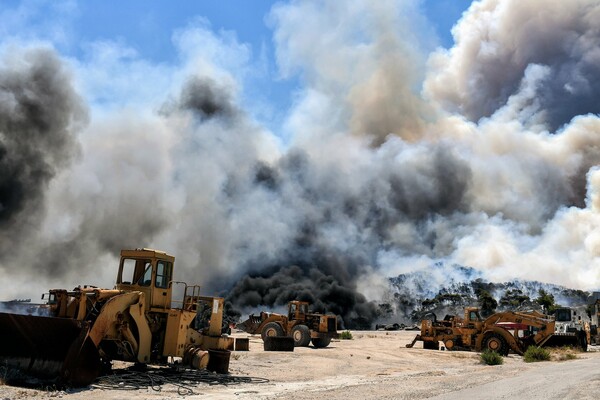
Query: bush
346, 335
535, 354
564, 353
490, 357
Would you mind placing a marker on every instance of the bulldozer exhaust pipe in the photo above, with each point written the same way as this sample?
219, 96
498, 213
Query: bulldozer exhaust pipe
50, 349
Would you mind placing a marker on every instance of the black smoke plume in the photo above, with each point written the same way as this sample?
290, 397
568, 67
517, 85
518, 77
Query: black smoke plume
312, 267
39, 113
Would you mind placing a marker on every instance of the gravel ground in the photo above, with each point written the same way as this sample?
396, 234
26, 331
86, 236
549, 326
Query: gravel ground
373, 365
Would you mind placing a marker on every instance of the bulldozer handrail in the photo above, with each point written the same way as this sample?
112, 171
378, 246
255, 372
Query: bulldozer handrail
189, 301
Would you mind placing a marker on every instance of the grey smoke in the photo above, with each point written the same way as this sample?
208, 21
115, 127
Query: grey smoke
498, 40
39, 117
206, 99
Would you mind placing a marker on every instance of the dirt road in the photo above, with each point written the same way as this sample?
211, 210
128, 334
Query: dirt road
374, 365
576, 379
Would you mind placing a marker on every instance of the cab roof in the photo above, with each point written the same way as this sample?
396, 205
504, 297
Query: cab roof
146, 252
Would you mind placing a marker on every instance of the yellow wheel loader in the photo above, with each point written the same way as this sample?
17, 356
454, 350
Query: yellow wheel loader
299, 323
500, 332
87, 327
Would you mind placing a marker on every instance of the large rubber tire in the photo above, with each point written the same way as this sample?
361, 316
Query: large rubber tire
301, 335
272, 329
583, 344
319, 343
431, 345
279, 343
495, 342
450, 345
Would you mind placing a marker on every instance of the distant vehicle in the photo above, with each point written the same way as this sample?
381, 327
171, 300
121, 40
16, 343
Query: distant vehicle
389, 327
500, 332
299, 323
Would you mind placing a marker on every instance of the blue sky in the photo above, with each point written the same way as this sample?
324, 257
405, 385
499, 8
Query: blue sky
149, 24
147, 28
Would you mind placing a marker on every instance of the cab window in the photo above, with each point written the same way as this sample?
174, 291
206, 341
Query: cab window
133, 271
146, 278
163, 274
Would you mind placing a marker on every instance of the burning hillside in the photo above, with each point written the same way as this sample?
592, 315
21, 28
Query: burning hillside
414, 294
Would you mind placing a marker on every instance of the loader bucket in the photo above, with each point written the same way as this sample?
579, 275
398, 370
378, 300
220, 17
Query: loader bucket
250, 325
571, 340
56, 350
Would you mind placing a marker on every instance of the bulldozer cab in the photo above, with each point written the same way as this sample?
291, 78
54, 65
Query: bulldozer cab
148, 271
564, 315
472, 317
297, 310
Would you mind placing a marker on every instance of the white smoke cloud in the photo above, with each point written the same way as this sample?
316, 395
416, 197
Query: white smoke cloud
496, 41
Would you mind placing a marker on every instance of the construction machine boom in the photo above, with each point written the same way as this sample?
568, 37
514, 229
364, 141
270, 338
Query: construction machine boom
87, 327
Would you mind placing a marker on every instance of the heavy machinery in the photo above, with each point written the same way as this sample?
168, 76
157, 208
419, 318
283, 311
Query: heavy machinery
500, 332
299, 323
571, 328
87, 327
389, 327
594, 323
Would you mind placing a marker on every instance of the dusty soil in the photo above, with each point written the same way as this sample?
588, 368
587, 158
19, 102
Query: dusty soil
372, 365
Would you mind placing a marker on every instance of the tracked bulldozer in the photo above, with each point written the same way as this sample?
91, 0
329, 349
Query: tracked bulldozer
501, 332
86, 328
305, 327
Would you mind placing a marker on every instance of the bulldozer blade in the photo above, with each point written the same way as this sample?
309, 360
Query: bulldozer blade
51, 349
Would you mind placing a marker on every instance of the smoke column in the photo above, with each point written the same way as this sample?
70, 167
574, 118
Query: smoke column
39, 112
481, 155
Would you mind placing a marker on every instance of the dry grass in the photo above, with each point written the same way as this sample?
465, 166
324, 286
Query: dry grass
565, 353
462, 355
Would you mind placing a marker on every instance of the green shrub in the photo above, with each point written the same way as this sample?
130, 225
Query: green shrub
346, 335
534, 354
490, 357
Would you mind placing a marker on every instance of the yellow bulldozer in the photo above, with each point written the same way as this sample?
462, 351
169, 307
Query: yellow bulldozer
88, 327
305, 327
500, 332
